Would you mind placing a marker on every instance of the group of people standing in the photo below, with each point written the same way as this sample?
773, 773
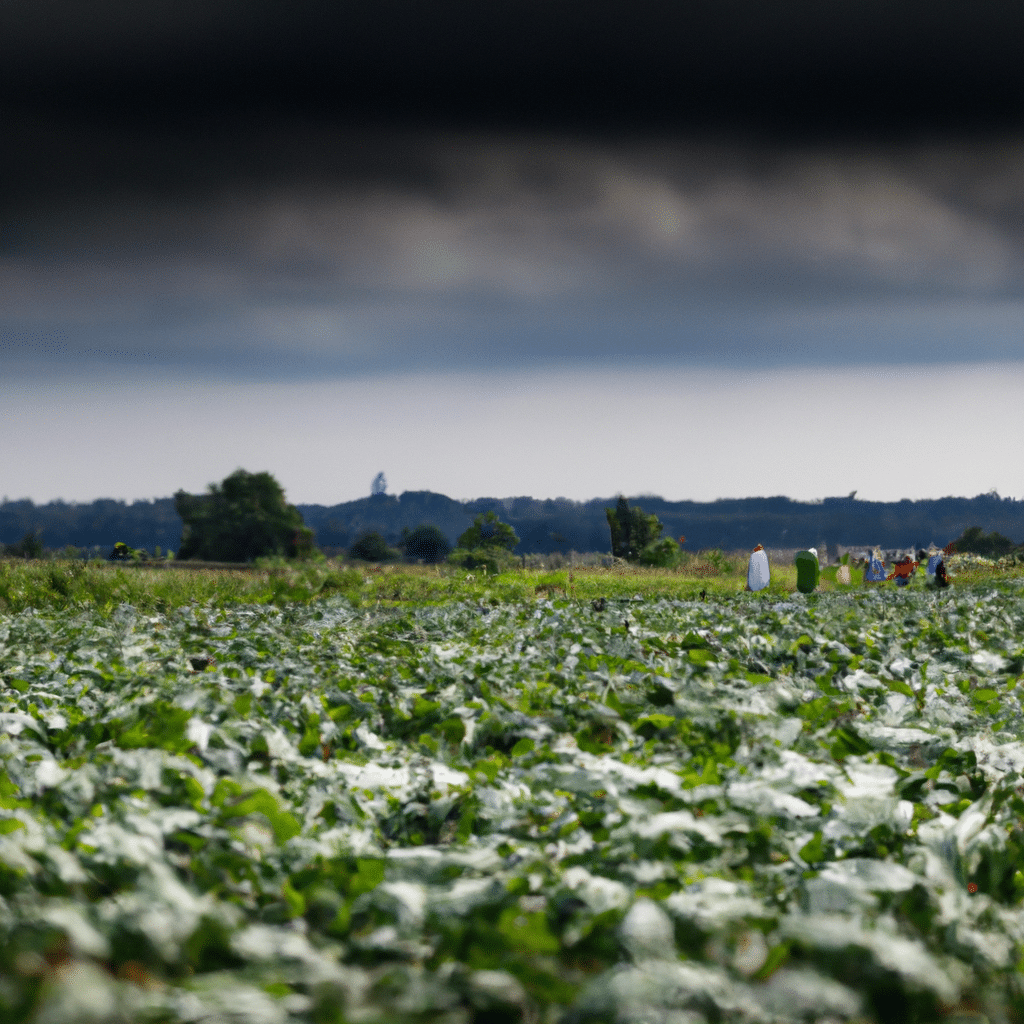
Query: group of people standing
808, 570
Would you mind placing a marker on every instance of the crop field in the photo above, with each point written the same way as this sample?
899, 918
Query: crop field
336, 796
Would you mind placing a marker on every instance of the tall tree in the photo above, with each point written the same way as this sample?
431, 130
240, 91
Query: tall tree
243, 518
631, 529
619, 526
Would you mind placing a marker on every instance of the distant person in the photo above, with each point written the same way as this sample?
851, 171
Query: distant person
807, 570
903, 570
874, 571
758, 573
121, 552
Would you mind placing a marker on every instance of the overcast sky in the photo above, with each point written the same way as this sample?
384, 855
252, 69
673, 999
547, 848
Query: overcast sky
545, 250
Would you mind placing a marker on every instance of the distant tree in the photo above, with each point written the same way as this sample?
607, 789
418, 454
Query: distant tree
488, 531
30, 546
379, 485
991, 545
371, 547
619, 526
244, 518
631, 529
486, 545
428, 543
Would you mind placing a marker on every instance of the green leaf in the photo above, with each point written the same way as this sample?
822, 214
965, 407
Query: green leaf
490, 766
777, 957
225, 790
693, 641
295, 900
527, 932
847, 742
160, 725
467, 819
813, 852
804, 643
310, 742
9, 794
659, 721
284, 825
195, 791
524, 746
422, 708
369, 874
453, 729
899, 686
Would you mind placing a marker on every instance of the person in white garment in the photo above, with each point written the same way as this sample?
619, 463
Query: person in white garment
758, 573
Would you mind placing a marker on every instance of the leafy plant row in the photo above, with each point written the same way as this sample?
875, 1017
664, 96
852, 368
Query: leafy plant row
739, 810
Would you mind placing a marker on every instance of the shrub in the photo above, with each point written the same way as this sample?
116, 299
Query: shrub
488, 531
494, 559
663, 554
372, 547
972, 541
30, 546
709, 563
428, 543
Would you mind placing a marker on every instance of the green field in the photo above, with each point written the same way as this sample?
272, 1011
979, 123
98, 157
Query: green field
60, 584
331, 794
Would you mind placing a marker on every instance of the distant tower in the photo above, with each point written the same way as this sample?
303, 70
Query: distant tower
379, 485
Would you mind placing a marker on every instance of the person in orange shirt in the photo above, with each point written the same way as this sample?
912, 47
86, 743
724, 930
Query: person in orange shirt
902, 571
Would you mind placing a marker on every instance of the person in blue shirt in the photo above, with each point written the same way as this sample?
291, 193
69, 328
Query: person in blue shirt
874, 571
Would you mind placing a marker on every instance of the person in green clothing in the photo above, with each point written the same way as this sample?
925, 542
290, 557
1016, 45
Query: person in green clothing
807, 571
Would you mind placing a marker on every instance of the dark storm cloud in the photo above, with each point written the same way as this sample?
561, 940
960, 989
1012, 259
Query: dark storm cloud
278, 189
802, 65
371, 249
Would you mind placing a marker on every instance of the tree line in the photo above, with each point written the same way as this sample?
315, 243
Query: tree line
429, 526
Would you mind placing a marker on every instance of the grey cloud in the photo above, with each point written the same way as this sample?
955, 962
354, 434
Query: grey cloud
546, 216
372, 246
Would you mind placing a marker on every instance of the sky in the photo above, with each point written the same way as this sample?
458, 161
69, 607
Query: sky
699, 251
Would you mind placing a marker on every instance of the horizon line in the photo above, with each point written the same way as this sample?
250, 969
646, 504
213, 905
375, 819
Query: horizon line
994, 494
